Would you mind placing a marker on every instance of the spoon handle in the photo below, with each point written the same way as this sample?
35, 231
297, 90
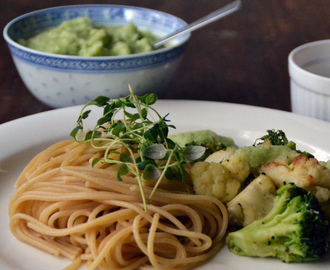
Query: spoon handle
215, 15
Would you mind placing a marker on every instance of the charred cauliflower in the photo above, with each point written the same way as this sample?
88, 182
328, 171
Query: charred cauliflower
226, 174
303, 171
253, 203
238, 166
220, 175
214, 179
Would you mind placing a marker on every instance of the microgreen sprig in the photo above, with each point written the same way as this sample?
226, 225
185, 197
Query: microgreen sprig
143, 131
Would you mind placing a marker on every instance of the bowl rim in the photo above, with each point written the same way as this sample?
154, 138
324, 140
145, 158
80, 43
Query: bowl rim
307, 80
294, 66
13, 43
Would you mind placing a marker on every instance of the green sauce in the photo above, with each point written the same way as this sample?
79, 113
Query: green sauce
206, 138
262, 154
83, 38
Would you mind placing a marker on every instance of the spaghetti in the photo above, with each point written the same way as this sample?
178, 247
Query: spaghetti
66, 207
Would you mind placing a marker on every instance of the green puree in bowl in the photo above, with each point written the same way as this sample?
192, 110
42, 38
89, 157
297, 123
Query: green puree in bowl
83, 38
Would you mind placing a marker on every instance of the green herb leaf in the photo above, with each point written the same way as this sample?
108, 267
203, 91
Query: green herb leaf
100, 101
163, 128
92, 134
118, 128
181, 173
142, 165
149, 99
137, 126
142, 131
155, 151
169, 174
122, 170
88, 135
95, 161
85, 114
107, 109
125, 158
152, 133
193, 152
117, 104
144, 113
170, 143
151, 172
126, 101
75, 131
132, 117
105, 119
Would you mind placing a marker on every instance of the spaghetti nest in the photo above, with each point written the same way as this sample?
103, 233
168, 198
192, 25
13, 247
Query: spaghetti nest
64, 206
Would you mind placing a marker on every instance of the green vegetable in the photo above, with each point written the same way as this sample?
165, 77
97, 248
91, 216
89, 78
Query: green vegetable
262, 154
81, 37
295, 230
143, 131
273, 147
211, 141
279, 138
274, 137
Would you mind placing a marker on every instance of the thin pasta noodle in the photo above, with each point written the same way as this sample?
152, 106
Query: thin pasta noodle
64, 206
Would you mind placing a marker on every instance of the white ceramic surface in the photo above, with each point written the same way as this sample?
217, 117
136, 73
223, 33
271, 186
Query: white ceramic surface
309, 69
61, 81
243, 123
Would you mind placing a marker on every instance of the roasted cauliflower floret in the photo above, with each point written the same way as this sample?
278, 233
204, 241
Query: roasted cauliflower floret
220, 175
220, 156
303, 171
253, 203
238, 166
214, 179
322, 194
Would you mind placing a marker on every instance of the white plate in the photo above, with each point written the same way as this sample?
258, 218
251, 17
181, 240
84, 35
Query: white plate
21, 139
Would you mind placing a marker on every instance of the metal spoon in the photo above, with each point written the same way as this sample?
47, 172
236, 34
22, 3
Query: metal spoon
215, 15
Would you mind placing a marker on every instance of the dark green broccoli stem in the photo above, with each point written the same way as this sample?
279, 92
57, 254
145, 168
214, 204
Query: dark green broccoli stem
295, 230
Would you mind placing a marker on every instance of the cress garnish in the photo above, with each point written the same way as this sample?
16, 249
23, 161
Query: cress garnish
140, 128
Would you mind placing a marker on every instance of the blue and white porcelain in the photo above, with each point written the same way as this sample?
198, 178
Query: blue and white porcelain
62, 80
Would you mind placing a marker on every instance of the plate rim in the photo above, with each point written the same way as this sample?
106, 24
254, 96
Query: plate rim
302, 121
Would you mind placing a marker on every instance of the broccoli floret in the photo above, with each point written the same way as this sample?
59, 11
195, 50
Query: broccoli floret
274, 137
279, 138
295, 230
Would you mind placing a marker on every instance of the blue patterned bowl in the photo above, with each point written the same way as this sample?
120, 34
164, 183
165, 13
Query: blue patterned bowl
61, 80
